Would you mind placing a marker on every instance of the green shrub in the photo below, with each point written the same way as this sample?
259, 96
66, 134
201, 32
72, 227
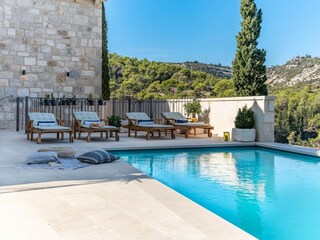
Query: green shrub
115, 120
193, 107
244, 118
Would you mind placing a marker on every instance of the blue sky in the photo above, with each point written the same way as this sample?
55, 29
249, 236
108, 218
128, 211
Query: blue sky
205, 30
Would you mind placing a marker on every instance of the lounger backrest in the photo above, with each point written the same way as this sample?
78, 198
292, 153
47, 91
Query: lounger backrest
86, 116
137, 116
39, 118
173, 115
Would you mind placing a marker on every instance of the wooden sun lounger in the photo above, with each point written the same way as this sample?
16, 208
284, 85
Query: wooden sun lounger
139, 121
179, 122
89, 122
41, 123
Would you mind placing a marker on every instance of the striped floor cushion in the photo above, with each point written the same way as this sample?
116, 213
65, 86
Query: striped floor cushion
97, 157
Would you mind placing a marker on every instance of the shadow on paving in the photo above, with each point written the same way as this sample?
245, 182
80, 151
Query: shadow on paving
35, 184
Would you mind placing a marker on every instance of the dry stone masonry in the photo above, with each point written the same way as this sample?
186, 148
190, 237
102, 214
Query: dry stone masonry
48, 38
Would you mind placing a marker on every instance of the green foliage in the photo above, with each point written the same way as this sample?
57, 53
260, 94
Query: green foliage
114, 120
90, 99
297, 115
224, 88
143, 79
249, 71
193, 107
244, 118
105, 88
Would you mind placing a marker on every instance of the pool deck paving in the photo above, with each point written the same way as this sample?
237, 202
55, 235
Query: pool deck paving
108, 201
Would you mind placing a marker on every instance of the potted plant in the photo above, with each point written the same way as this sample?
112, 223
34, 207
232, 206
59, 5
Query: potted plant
90, 99
63, 100
115, 120
244, 122
73, 99
100, 100
192, 108
204, 116
53, 100
46, 100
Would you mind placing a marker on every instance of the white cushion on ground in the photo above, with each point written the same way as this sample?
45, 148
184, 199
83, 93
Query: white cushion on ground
42, 157
63, 152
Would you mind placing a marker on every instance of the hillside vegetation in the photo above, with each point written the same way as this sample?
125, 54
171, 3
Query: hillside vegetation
216, 70
297, 115
143, 79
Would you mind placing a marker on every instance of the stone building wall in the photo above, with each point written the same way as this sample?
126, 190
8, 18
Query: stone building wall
48, 38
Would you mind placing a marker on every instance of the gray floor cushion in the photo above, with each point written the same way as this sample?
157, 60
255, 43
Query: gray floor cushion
42, 157
63, 152
62, 164
97, 157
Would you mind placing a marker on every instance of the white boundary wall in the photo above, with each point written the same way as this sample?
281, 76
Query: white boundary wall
223, 112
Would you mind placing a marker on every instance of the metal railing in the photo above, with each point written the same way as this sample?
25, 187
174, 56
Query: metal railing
64, 108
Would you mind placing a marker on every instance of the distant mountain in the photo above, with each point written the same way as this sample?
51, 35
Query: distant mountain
300, 70
215, 70
297, 71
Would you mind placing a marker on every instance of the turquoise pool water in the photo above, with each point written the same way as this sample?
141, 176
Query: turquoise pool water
270, 194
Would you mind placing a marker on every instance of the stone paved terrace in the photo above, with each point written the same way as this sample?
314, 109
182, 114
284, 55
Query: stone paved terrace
109, 201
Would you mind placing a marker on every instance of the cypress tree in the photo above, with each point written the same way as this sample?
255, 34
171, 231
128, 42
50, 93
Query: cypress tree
249, 70
105, 88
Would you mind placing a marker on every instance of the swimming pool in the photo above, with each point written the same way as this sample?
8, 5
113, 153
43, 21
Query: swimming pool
268, 193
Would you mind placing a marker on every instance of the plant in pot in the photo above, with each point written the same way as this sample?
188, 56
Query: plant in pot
53, 100
204, 116
72, 99
63, 100
193, 108
114, 120
90, 99
46, 100
100, 100
244, 122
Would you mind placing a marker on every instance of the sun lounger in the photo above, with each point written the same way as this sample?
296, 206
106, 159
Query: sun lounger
139, 121
46, 123
179, 122
90, 122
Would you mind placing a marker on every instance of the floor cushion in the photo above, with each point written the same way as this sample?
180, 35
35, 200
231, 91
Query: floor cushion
97, 157
42, 157
63, 152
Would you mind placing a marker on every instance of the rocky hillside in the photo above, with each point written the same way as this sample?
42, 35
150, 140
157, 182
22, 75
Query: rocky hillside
215, 70
300, 70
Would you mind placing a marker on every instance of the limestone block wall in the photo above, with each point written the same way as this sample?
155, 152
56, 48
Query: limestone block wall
48, 38
223, 112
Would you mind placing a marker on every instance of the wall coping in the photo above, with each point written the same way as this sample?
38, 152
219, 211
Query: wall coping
238, 98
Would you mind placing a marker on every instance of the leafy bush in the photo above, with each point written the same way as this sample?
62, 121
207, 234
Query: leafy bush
193, 107
244, 118
115, 120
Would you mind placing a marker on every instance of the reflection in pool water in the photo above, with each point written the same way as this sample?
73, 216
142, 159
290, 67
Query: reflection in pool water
270, 194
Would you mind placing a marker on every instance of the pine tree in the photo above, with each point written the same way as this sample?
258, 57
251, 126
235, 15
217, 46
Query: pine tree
105, 91
249, 70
